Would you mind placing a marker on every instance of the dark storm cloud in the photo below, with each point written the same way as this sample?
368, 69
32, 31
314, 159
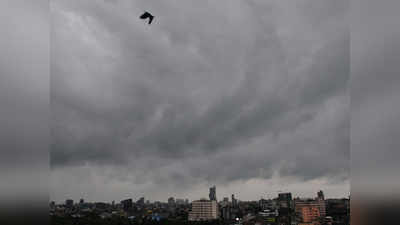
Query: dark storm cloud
211, 92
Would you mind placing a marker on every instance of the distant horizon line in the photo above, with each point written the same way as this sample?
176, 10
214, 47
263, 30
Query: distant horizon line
166, 201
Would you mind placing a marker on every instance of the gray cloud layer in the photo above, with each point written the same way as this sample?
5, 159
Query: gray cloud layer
212, 92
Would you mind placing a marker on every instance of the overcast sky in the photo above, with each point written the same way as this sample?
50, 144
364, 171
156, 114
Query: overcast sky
251, 96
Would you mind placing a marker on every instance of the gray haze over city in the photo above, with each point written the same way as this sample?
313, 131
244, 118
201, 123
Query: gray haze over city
251, 96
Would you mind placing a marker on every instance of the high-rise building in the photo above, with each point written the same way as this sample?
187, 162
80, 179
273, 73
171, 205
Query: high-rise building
285, 200
224, 202
171, 201
234, 201
52, 205
226, 211
140, 202
307, 212
213, 193
203, 210
321, 202
338, 209
285, 205
321, 195
127, 204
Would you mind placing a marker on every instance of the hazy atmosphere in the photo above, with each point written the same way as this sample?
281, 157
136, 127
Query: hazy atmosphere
251, 96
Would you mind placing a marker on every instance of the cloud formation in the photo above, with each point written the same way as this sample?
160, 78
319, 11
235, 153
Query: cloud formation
212, 92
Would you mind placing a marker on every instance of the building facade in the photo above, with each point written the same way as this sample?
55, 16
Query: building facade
234, 201
171, 201
213, 193
203, 210
321, 202
127, 204
307, 212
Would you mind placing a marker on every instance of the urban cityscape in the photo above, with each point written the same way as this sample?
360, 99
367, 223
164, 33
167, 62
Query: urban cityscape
199, 112
282, 210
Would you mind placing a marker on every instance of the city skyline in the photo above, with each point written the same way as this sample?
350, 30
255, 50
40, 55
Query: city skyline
186, 200
230, 198
283, 210
250, 96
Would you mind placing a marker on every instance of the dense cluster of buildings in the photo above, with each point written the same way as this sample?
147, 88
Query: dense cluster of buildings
136, 212
282, 210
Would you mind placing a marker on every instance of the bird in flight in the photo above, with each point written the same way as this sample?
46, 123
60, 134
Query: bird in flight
146, 15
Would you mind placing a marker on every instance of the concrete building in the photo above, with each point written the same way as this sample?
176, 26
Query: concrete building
52, 205
140, 202
226, 212
213, 193
321, 202
285, 200
234, 201
171, 202
127, 204
307, 212
285, 203
203, 210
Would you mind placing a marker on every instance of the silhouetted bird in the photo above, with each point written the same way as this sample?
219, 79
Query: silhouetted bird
146, 15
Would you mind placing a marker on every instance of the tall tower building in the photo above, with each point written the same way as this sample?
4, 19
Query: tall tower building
213, 193
285, 200
321, 195
127, 204
171, 202
140, 201
234, 201
321, 203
